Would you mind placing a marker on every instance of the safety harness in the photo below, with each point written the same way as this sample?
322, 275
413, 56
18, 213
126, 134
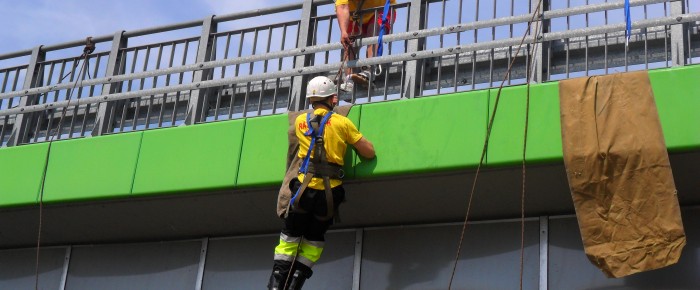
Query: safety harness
318, 166
355, 16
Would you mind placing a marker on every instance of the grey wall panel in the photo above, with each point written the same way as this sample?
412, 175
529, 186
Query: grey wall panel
246, 263
152, 266
334, 269
239, 263
18, 267
571, 270
421, 258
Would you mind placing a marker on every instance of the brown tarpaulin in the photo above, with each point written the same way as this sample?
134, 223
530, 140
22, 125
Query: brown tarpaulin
619, 173
294, 162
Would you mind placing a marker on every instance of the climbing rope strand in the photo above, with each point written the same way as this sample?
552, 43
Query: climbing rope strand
486, 141
81, 76
291, 266
530, 66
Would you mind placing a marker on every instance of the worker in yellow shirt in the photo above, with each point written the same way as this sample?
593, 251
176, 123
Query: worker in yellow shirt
317, 191
354, 24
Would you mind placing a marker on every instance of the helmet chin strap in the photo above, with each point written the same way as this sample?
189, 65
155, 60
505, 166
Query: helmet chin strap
324, 103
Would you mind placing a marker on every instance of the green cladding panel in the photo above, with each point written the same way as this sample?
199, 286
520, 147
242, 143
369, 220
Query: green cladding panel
544, 126
350, 156
92, 168
263, 159
424, 134
677, 95
21, 172
191, 158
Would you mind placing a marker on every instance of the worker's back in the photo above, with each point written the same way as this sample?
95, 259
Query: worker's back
338, 132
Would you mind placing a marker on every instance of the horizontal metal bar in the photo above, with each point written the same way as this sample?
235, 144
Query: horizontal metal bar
676, 19
164, 28
355, 63
20, 53
597, 8
313, 49
289, 7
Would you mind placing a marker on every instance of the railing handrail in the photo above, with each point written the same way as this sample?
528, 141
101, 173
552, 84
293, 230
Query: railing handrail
330, 46
684, 18
168, 27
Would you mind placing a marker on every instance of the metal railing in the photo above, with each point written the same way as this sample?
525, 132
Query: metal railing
200, 74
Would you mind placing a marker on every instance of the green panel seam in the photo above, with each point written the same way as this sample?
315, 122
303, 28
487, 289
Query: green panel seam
487, 136
43, 176
136, 168
355, 158
240, 153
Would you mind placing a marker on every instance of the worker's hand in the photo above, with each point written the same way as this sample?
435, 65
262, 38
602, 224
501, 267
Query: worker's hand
345, 40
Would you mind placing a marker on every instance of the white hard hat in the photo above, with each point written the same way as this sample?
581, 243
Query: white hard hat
320, 87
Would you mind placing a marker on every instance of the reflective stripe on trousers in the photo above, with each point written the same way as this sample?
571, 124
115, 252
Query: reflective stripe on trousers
309, 251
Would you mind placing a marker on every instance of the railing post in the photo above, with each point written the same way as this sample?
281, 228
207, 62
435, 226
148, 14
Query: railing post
539, 27
678, 35
196, 108
296, 99
33, 75
115, 64
414, 68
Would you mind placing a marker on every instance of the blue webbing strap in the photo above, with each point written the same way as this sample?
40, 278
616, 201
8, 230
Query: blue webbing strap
628, 22
382, 28
305, 164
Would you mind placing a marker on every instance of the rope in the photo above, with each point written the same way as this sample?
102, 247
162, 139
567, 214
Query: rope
343, 64
81, 74
527, 123
291, 266
486, 141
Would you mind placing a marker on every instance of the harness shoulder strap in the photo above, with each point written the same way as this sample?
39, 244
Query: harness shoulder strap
316, 129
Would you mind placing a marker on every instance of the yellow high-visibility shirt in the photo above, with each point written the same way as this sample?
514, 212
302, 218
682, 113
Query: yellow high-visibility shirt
352, 5
339, 132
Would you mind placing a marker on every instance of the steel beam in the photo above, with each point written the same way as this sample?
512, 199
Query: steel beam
297, 101
544, 252
66, 265
197, 107
679, 53
539, 27
357, 262
202, 263
115, 64
414, 68
24, 120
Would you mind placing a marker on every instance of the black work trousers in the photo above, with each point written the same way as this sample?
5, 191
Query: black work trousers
306, 224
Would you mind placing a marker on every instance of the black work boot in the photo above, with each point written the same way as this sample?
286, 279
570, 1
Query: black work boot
297, 280
276, 280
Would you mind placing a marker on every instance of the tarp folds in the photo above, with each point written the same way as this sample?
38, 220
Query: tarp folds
619, 173
294, 162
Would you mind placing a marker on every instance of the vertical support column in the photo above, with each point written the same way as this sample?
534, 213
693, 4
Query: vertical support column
678, 35
105, 111
414, 68
544, 252
357, 264
202, 262
66, 264
297, 101
33, 75
539, 27
197, 104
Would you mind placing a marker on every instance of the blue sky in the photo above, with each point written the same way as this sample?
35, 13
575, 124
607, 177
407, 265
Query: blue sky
28, 23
